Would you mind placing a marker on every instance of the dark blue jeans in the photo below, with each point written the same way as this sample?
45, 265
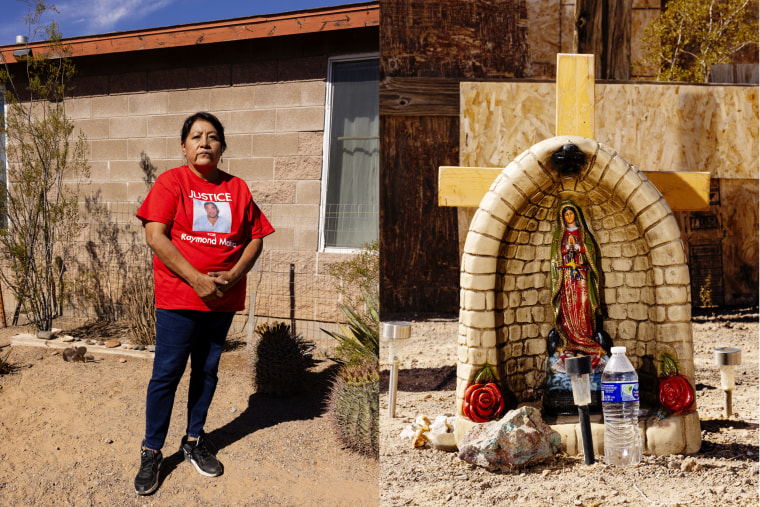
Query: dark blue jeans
181, 334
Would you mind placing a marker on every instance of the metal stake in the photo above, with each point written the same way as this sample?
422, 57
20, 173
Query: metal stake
392, 387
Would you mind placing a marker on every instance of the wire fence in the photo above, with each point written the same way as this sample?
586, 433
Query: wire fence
289, 283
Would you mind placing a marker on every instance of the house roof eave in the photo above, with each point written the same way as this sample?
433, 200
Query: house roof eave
275, 25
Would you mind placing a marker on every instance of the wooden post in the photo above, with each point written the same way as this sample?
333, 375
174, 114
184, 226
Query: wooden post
603, 28
575, 95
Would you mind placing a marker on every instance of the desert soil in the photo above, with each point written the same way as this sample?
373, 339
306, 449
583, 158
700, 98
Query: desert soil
724, 472
70, 434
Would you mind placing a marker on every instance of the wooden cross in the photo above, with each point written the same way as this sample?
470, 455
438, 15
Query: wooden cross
466, 186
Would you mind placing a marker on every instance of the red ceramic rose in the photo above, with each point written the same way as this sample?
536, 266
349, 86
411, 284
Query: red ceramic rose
483, 400
676, 393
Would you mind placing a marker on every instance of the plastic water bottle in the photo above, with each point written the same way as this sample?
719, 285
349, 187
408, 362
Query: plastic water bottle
620, 404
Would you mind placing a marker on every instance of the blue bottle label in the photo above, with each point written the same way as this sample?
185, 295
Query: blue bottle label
617, 392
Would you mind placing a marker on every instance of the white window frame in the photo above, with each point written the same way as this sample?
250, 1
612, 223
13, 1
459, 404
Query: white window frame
326, 145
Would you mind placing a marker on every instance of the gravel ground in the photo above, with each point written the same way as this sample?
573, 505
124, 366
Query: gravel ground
71, 435
724, 472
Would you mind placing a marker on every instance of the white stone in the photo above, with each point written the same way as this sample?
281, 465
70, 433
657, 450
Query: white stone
477, 355
473, 337
535, 346
670, 254
604, 155
638, 311
664, 232
478, 282
478, 264
444, 441
474, 300
509, 192
477, 243
672, 294
480, 320
679, 313
652, 215
628, 185
488, 338
442, 433
408, 433
645, 195
462, 354
615, 171
495, 206
677, 275
484, 223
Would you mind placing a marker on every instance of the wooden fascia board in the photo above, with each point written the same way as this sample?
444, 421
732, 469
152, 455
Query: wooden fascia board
292, 23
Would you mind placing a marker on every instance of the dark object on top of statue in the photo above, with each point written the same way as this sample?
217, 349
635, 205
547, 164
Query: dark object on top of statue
568, 158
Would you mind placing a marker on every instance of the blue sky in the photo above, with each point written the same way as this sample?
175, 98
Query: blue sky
88, 17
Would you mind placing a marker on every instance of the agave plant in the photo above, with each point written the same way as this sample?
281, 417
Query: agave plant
360, 337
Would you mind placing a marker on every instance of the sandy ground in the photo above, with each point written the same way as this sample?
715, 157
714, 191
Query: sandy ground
70, 434
724, 472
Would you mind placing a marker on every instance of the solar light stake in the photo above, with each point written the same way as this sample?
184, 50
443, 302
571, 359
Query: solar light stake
396, 333
579, 368
727, 358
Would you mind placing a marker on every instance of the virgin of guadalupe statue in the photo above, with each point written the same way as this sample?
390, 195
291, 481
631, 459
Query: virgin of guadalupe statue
577, 311
575, 282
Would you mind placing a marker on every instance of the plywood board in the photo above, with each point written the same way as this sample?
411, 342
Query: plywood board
657, 127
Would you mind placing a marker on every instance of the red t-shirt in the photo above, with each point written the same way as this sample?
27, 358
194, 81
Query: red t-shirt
210, 223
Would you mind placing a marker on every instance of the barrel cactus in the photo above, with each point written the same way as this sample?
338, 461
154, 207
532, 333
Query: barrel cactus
354, 407
279, 359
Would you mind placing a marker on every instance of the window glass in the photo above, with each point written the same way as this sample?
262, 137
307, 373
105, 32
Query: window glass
350, 186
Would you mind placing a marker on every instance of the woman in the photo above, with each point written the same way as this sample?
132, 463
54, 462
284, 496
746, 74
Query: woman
575, 282
200, 284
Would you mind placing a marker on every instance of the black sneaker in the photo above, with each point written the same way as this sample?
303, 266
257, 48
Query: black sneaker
146, 481
197, 454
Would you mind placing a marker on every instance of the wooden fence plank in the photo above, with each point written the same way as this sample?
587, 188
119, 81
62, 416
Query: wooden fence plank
410, 96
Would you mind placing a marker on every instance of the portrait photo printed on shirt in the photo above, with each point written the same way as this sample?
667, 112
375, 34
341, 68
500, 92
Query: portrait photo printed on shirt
211, 216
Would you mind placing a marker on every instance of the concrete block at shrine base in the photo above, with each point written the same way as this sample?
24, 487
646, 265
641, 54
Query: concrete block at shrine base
597, 436
676, 434
573, 440
567, 434
521, 438
461, 427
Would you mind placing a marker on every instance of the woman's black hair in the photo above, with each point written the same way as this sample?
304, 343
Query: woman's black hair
575, 212
213, 120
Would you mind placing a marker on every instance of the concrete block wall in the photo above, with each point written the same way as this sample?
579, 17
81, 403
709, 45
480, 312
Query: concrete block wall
273, 112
